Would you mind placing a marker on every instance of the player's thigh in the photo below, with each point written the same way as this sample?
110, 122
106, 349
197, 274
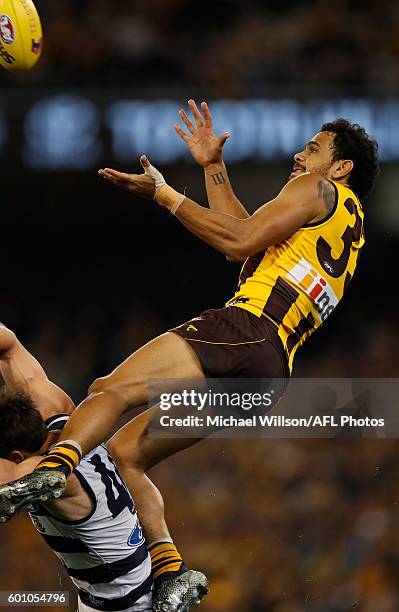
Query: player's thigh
166, 357
132, 446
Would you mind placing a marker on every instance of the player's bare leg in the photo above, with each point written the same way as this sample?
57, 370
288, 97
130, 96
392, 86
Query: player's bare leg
168, 356
165, 357
135, 453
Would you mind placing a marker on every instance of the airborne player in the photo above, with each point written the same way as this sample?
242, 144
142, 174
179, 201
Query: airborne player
300, 250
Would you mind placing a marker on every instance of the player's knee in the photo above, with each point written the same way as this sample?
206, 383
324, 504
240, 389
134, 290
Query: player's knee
133, 389
118, 454
106, 385
129, 448
128, 457
99, 386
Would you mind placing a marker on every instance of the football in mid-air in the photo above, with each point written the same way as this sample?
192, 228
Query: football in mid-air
21, 37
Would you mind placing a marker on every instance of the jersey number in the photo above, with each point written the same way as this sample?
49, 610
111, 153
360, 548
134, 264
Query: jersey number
336, 267
116, 503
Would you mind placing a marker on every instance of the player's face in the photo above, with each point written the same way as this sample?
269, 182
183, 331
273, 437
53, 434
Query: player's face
316, 156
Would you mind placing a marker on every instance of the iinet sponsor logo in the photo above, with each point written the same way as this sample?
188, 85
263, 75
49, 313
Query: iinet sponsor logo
315, 286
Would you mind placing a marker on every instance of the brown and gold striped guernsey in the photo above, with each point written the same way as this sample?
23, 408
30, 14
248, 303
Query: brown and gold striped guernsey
298, 282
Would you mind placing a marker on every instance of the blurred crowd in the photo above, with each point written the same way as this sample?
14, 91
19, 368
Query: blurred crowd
291, 526
223, 47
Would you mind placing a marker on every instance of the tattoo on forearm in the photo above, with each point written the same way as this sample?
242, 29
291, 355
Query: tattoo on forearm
327, 192
218, 178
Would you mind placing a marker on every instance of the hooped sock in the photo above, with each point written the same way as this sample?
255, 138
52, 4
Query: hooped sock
165, 559
62, 457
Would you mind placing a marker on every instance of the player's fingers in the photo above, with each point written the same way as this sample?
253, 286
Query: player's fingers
196, 114
181, 133
115, 177
186, 121
116, 174
103, 173
207, 114
109, 177
223, 138
145, 162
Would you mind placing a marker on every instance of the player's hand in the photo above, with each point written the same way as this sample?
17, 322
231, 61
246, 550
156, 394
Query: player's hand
205, 147
140, 184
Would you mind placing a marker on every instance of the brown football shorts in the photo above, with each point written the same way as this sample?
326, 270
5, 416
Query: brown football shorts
233, 342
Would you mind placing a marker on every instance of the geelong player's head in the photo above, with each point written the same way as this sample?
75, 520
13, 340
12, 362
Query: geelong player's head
341, 151
22, 428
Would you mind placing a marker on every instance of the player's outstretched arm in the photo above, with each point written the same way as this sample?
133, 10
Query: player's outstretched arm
302, 200
207, 150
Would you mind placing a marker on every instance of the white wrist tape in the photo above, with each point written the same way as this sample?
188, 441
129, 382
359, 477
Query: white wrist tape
165, 195
157, 176
170, 198
177, 205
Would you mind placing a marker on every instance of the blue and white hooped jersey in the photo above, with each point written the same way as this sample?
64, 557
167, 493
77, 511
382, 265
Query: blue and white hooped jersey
105, 553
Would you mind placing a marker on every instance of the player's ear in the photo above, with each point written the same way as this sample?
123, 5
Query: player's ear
16, 456
342, 168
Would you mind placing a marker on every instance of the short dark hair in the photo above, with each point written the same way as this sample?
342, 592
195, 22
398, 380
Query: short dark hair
352, 142
21, 424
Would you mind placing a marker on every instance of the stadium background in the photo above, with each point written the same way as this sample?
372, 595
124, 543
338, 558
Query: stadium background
89, 274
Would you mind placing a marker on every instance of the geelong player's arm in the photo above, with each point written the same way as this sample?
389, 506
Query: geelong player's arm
300, 201
21, 371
